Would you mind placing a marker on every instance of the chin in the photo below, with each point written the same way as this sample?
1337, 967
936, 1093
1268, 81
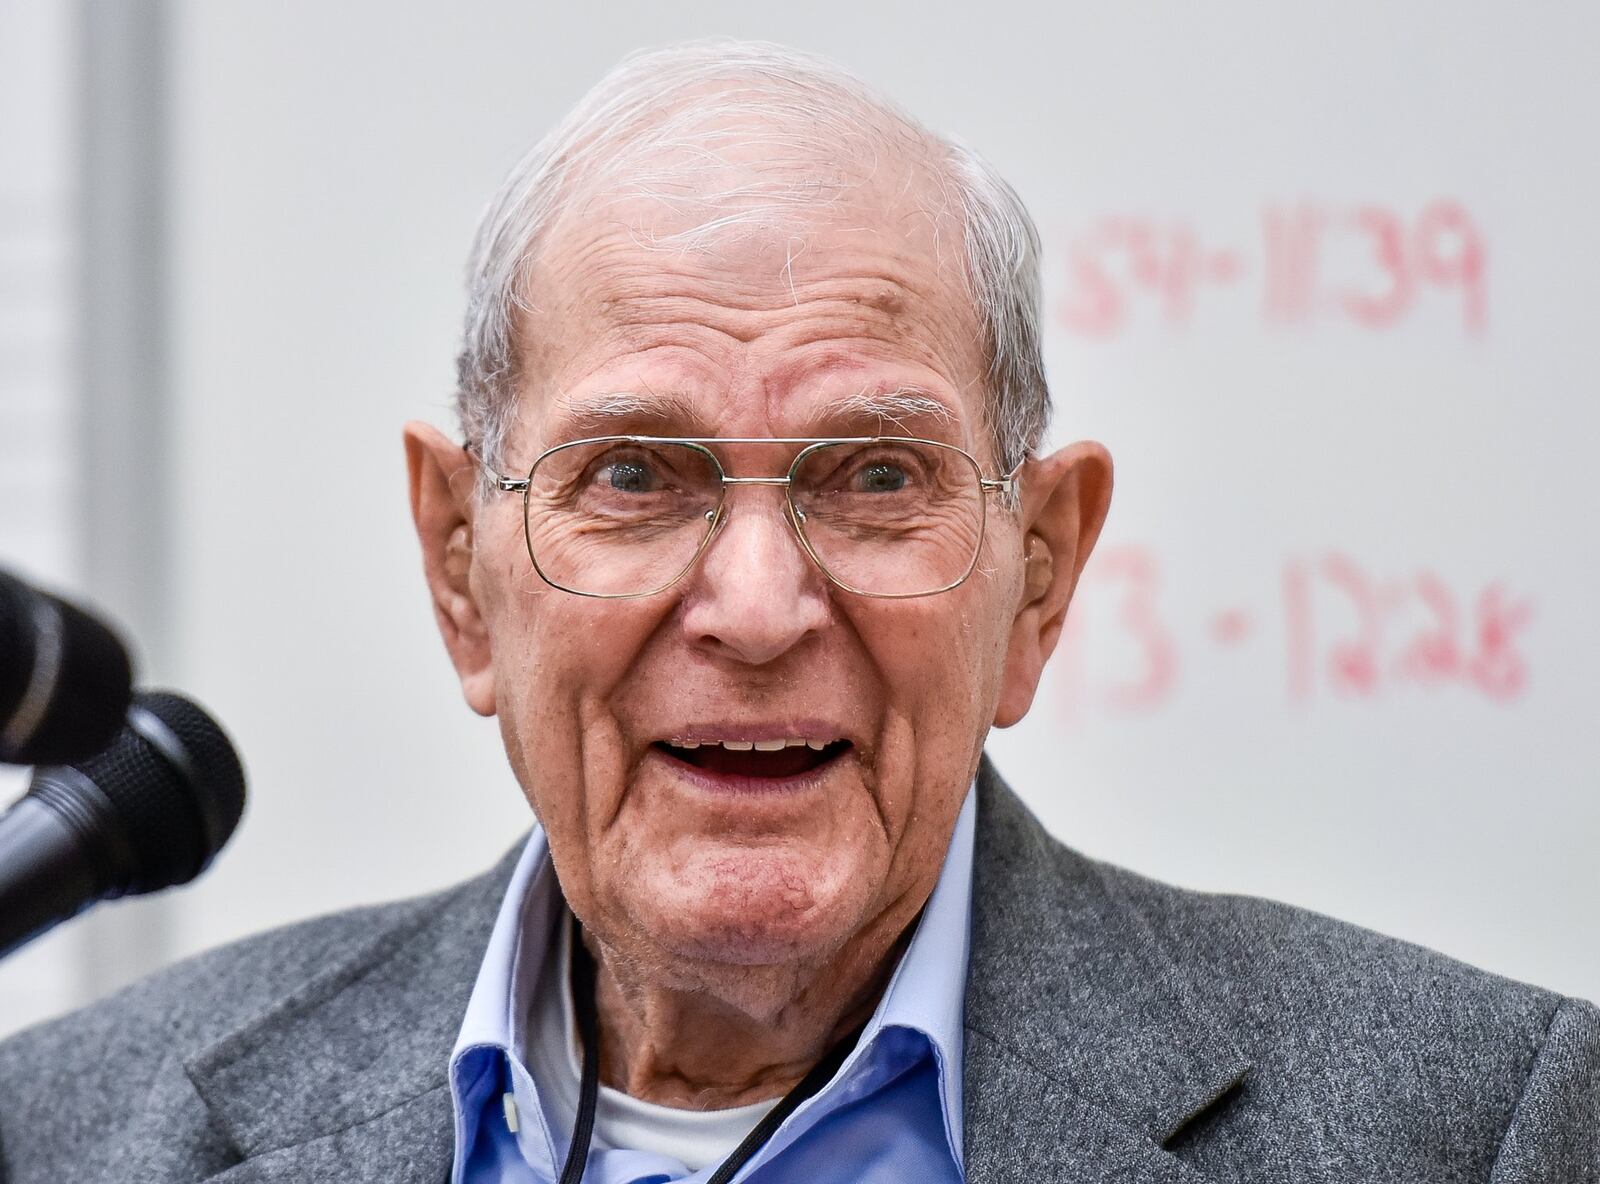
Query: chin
753, 907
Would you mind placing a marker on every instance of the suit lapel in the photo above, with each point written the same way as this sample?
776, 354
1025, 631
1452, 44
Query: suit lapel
1024, 1125
346, 1078
1086, 1045
412, 1142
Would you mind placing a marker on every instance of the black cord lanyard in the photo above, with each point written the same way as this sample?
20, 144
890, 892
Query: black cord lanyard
589, 1090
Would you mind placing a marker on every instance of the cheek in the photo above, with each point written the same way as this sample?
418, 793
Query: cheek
940, 661
559, 662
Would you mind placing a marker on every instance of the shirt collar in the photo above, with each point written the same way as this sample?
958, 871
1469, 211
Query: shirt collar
927, 990
498, 1010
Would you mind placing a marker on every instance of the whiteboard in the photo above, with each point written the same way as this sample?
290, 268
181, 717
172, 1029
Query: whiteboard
1321, 280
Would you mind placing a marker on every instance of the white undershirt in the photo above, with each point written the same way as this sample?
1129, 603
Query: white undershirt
695, 1138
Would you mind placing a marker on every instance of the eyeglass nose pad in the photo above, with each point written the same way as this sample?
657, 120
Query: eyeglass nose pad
715, 517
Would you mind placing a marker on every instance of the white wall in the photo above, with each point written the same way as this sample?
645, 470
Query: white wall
1283, 465
38, 407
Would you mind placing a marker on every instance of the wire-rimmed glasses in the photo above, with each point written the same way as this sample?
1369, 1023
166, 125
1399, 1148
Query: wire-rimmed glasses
618, 517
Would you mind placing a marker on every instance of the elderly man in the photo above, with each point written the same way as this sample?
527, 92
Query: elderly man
747, 546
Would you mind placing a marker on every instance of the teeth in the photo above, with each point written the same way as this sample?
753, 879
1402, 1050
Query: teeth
757, 745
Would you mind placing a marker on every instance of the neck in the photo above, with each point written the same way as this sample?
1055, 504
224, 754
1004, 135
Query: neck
729, 1035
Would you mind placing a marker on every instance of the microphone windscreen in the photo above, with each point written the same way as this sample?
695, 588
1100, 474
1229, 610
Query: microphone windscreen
175, 785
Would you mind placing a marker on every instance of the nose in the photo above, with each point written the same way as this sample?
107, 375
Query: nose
755, 594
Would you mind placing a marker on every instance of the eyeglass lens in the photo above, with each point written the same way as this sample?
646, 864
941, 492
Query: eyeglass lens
886, 518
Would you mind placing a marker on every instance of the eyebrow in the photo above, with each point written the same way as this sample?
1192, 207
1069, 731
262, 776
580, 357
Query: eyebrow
627, 413
867, 411
901, 408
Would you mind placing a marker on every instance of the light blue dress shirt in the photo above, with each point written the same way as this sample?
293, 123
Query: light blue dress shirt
891, 1115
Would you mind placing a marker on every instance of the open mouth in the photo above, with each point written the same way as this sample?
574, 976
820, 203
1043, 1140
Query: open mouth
773, 760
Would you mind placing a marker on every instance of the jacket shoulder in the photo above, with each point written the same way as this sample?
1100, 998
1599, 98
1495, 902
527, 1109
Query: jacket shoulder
98, 1077
201, 998
1378, 1042
1277, 964
1317, 1044
1274, 969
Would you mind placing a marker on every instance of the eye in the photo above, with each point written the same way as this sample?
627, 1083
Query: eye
880, 476
629, 475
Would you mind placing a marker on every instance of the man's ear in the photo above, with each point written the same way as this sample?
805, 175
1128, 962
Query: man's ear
1064, 501
443, 506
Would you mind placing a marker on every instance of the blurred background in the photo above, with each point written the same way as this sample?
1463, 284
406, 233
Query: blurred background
1322, 279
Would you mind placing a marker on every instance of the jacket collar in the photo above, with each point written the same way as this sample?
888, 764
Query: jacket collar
350, 1068
1087, 1045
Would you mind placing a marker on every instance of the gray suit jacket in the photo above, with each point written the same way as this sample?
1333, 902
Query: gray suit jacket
1117, 1030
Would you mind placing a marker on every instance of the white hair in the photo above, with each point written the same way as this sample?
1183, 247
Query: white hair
658, 125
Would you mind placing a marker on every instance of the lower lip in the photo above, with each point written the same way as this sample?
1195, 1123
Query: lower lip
735, 783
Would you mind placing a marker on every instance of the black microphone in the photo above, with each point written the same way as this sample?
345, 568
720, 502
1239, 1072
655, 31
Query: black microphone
149, 812
65, 680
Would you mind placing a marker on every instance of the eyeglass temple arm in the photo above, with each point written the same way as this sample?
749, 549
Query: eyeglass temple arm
503, 483
1007, 484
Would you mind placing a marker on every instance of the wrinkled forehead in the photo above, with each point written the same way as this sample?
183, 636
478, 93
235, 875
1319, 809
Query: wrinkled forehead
756, 254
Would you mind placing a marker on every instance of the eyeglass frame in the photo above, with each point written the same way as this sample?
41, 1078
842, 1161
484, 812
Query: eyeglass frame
1006, 484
